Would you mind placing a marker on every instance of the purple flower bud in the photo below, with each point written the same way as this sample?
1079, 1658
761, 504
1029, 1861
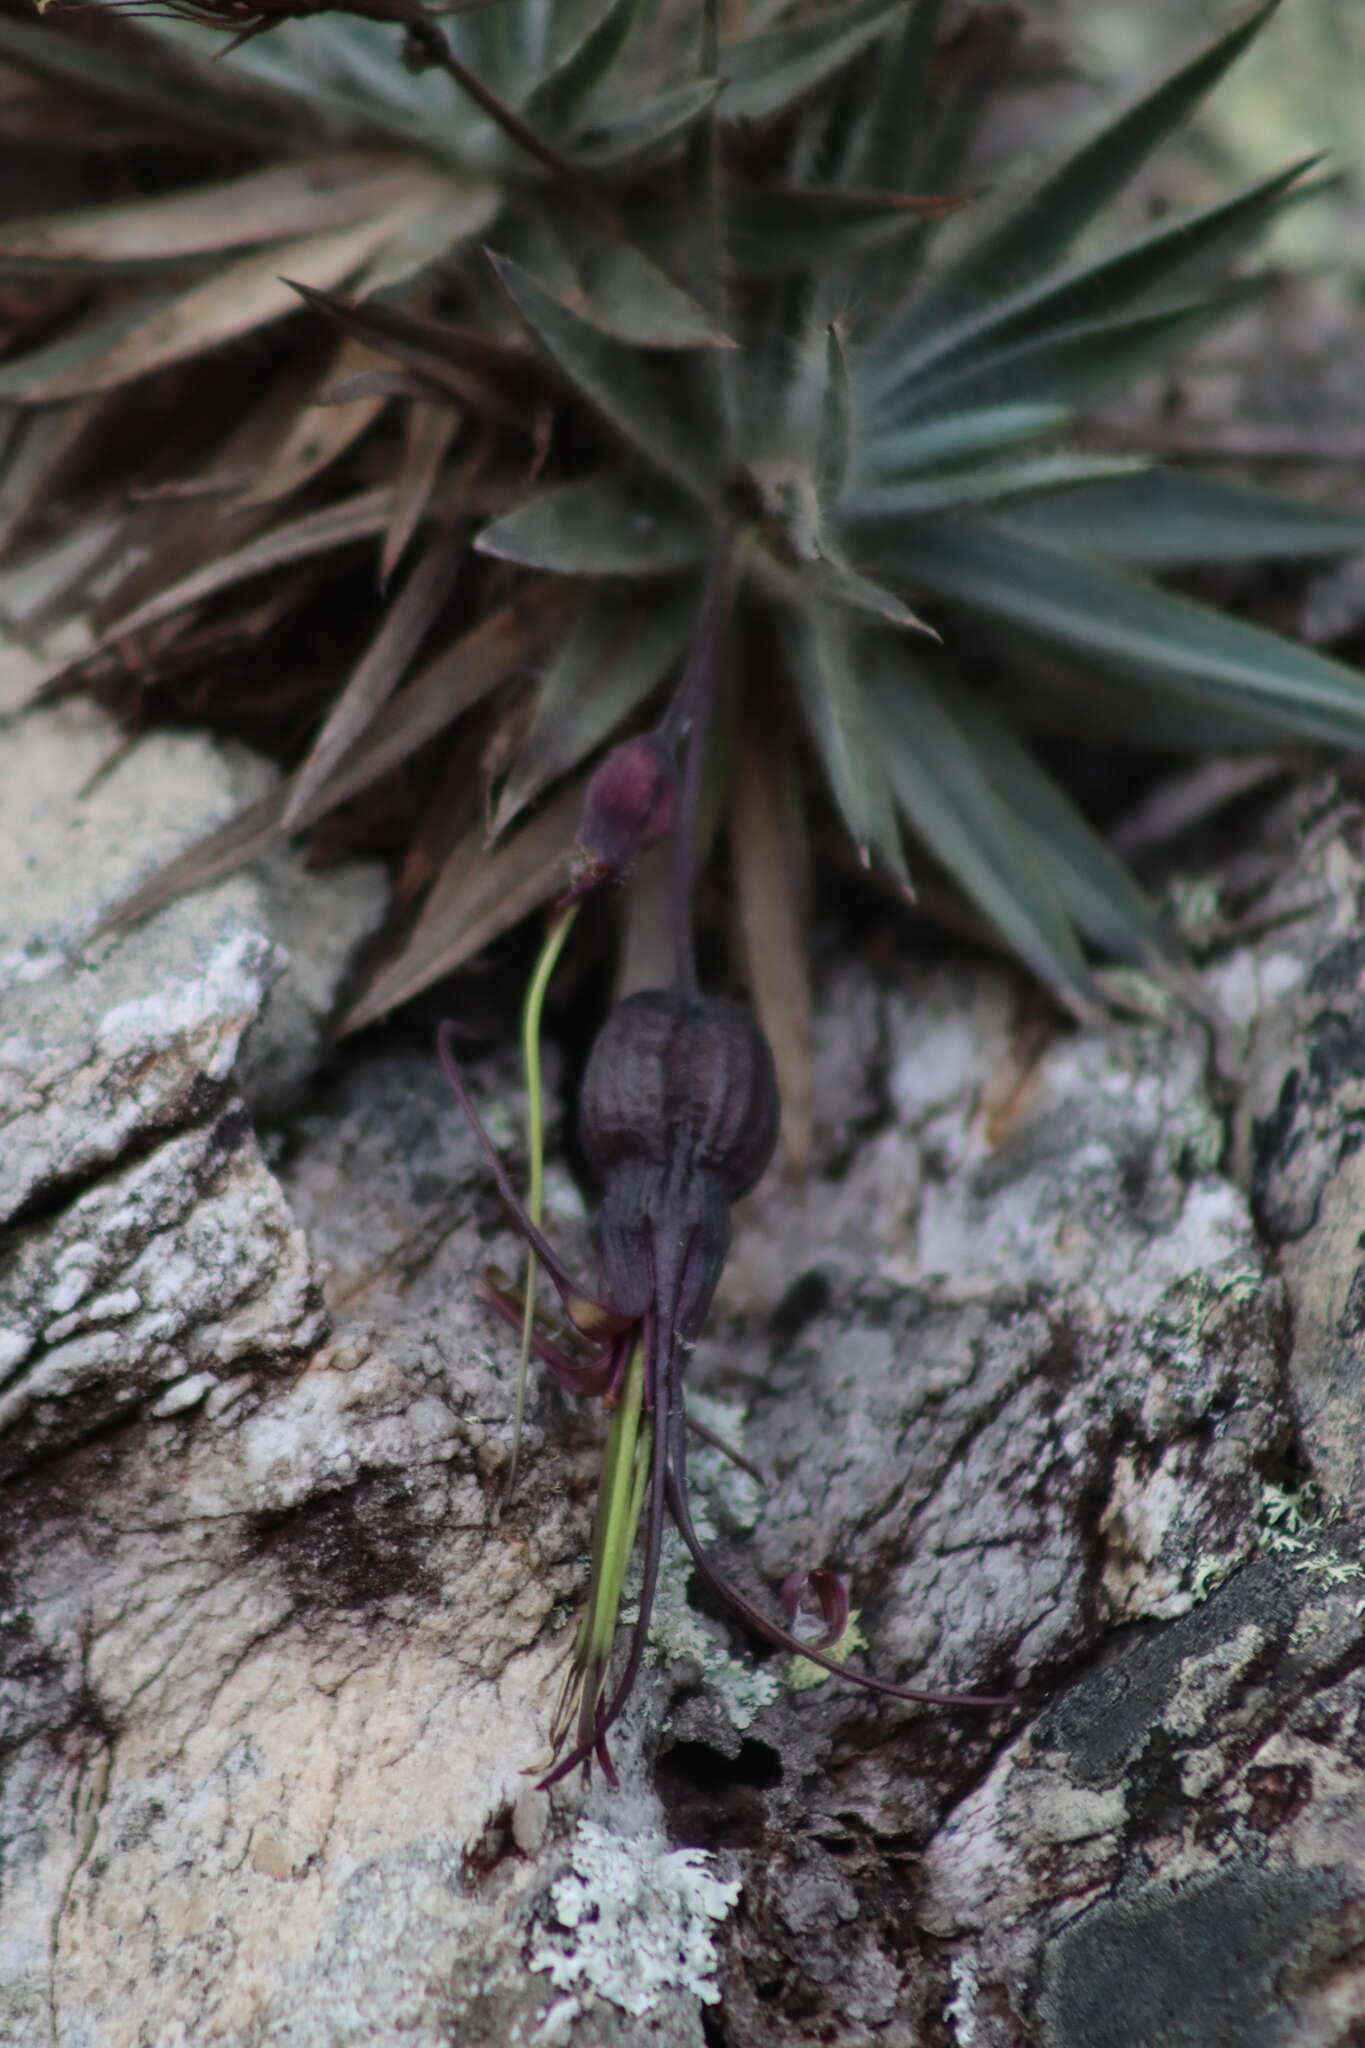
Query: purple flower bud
629, 806
678, 1117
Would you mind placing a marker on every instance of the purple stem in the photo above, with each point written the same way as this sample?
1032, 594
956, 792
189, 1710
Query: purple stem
690, 714
576, 1376
769, 1631
606, 1322
718, 1443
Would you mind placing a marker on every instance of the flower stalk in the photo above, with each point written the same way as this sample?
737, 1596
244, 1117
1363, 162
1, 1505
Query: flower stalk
620, 1499
678, 1117
555, 939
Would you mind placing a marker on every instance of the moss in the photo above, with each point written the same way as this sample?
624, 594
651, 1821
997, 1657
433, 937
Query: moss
802, 1674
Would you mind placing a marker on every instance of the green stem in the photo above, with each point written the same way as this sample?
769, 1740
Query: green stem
532, 1009
620, 1500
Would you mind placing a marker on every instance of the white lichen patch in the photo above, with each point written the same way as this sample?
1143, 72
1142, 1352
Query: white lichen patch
633, 1920
960, 2011
1293, 1525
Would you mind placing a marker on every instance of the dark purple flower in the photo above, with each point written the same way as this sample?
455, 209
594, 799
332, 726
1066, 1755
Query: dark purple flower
678, 1118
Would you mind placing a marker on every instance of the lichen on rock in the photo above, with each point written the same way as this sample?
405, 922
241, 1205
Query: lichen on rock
273, 1670
633, 1919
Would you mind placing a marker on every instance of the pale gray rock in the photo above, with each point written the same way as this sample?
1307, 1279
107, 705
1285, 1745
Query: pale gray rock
104, 1044
157, 1287
1306, 1111
1037, 1333
276, 1673
1171, 1850
272, 1670
304, 1668
159, 1258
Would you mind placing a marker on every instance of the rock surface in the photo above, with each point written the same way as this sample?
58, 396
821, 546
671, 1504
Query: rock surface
1055, 1358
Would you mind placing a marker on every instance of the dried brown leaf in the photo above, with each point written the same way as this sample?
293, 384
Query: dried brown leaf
170, 541
34, 464
251, 833
321, 429
496, 648
383, 384
316, 534
476, 897
429, 431
453, 805
488, 377
237, 299
500, 645
302, 197
380, 670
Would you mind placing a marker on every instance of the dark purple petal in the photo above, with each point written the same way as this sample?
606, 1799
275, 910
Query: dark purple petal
808, 1594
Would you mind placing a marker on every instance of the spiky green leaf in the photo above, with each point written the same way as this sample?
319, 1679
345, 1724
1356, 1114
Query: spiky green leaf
777, 231
1160, 262
947, 796
559, 98
1092, 882
621, 289
1103, 615
1053, 695
616, 654
834, 450
634, 130
892, 128
1166, 518
957, 437
1037, 233
766, 74
602, 526
619, 384
1072, 366
837, 582
823, 651
981, 483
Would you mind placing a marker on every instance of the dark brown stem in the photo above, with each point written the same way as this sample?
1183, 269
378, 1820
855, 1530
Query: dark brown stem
690, 715
432, 42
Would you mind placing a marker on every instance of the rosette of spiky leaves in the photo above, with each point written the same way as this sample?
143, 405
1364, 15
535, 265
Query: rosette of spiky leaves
934, 559
183, 425
213, 467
